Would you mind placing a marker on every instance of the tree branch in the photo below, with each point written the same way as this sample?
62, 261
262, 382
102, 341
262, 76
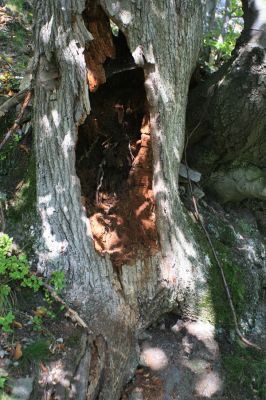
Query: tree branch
13, 101
19, 118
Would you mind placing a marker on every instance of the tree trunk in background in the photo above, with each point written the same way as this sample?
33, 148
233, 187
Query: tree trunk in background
116, 303
209, 21
229, 145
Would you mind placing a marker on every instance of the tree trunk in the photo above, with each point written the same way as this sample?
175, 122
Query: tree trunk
116, 301
229, 143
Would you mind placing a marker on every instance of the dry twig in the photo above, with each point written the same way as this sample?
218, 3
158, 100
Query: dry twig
72, 314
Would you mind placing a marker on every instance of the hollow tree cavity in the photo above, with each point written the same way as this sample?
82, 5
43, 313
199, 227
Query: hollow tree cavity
114, 158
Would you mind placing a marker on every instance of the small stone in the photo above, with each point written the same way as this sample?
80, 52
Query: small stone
16, 364
3, 353
179, 325
186, 172
162, 327
198, 193
3, 372
60, 340
137, 394
7, 362
144, 336
23, 388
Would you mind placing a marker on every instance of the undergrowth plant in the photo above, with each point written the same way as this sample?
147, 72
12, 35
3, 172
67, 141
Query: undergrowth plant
14, 270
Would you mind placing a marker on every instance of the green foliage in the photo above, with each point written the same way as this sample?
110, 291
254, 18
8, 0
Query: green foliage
246, 368
235, 277
114, 28
3, 380
14, 269
37, 351
221, 46
57, 280
14, 36
5, 244
15, 5
220, 40
21, 8
6, 322
37, 323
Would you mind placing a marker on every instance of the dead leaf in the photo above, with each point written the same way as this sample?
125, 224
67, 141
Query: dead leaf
18, 352
17, 325
40, 311
24, 148
43, 368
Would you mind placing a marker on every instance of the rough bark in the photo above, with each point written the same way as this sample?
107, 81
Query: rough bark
116, 304
229, 144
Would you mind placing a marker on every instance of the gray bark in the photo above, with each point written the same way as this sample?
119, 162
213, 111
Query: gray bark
116, 305
210, 10
229, 144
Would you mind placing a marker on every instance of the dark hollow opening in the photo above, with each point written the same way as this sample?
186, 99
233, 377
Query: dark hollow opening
114, 162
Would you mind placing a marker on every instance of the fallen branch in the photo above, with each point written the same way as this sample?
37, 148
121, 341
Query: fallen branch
13, 101
17, 121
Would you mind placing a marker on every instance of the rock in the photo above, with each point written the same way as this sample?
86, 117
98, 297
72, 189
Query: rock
179, 325
3, 372
198, 193
22, 388
137, 394
26, 81
3, 353
144, 336
186, 172
238, 184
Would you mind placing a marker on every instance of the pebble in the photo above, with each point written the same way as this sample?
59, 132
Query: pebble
22, 389
136, 394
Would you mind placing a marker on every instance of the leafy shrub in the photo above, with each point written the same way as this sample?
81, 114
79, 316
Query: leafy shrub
14, 269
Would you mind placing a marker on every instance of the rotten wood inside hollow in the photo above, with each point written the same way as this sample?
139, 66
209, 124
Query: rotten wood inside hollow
98, 49
114, 164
